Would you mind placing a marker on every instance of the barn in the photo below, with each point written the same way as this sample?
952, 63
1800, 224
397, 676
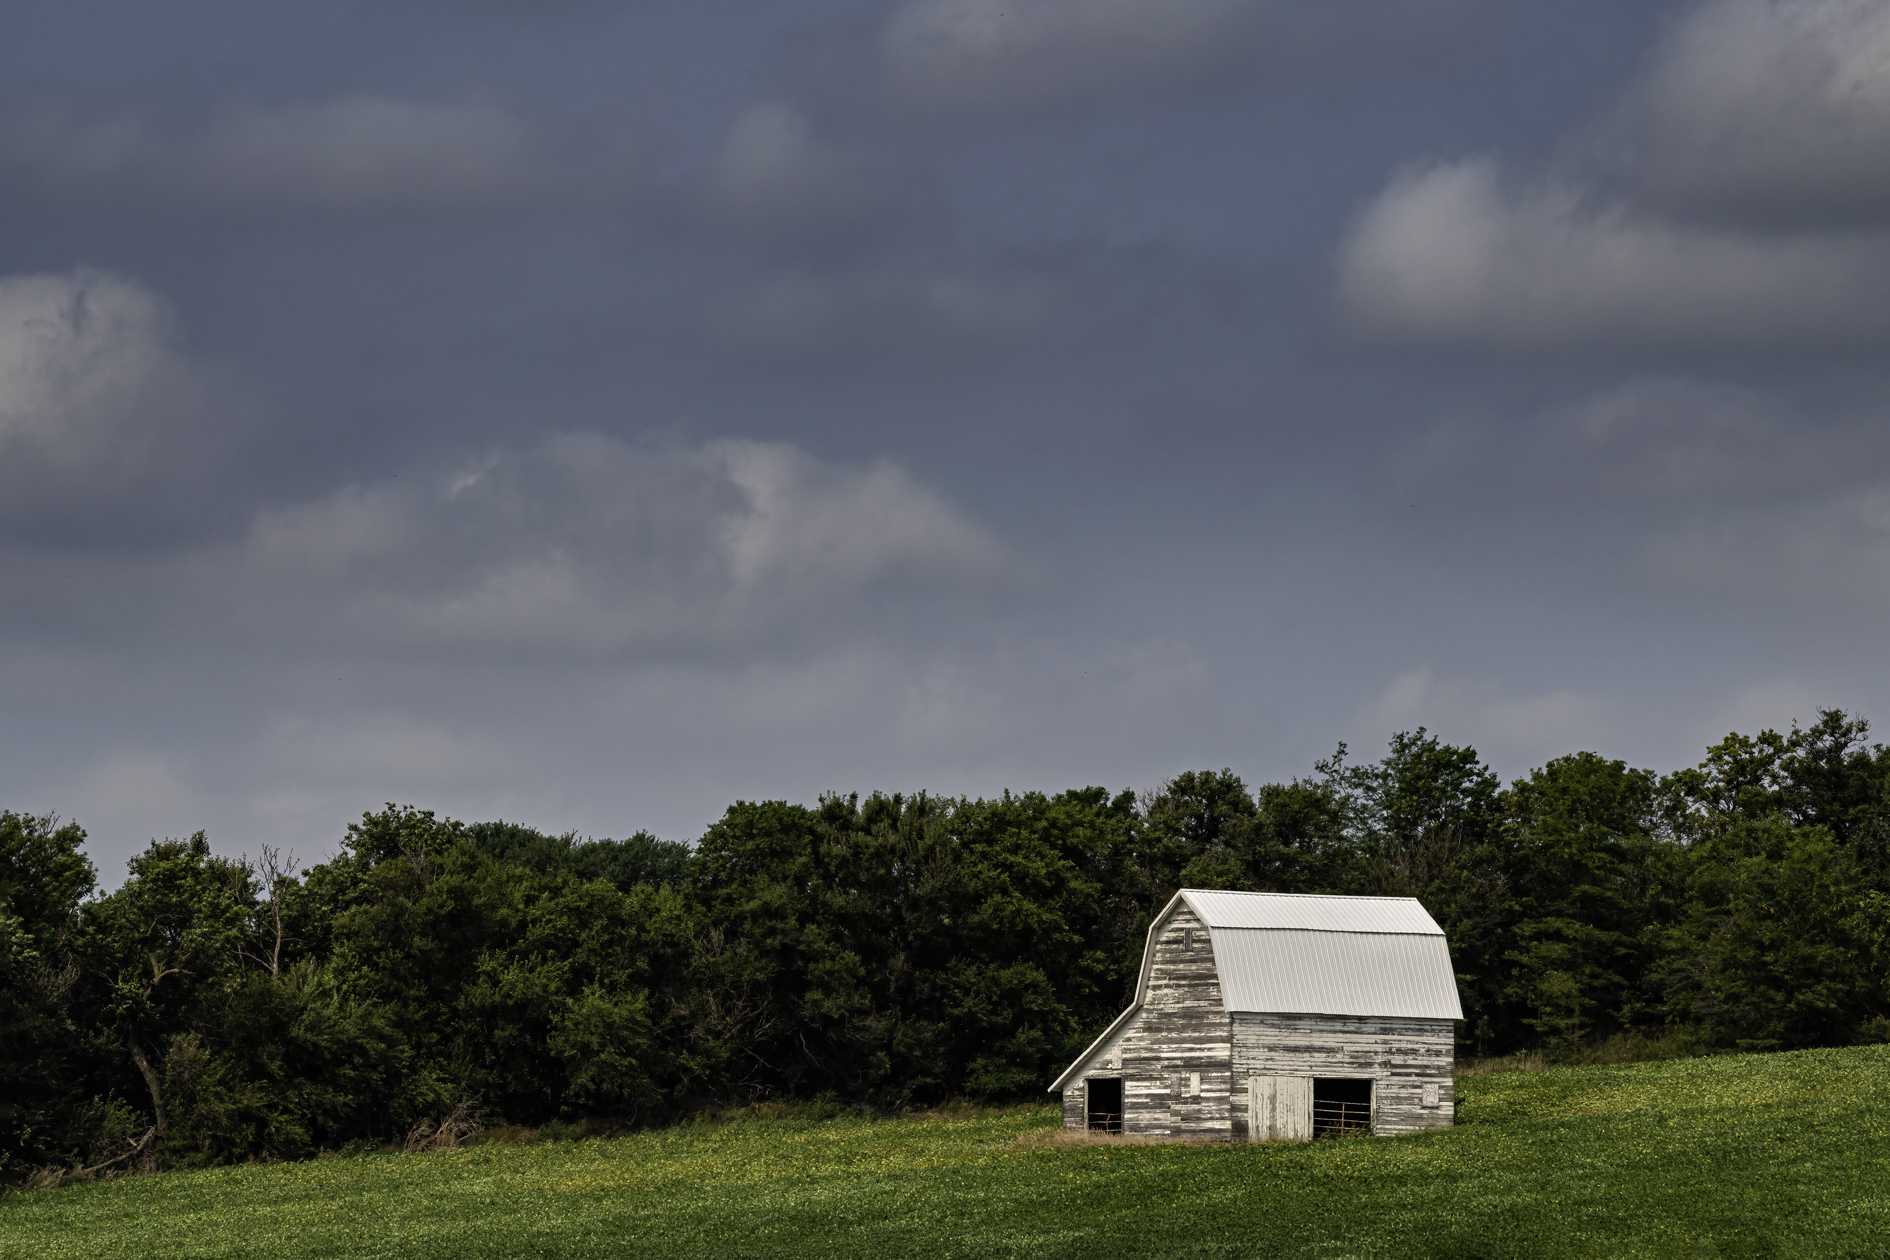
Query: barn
1277, 1016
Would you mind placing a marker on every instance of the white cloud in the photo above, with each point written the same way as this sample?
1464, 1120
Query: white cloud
100, 411
1449, 255
591, 544
353, 153
1736, 197
992, 54
78, 353
1772, 110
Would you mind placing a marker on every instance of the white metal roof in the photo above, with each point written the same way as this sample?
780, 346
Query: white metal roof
1298, 954
1311, 913
1289, 971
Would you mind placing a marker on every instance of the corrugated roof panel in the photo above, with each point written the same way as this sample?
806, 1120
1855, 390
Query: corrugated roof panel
1292, 971
1311, 913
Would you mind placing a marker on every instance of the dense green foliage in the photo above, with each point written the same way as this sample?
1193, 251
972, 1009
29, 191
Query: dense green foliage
897, 951
1736, 1155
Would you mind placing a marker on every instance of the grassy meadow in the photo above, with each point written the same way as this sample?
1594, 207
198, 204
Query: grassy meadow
1756, 1155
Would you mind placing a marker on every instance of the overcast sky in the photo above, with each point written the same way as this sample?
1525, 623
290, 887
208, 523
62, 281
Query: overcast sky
590, 414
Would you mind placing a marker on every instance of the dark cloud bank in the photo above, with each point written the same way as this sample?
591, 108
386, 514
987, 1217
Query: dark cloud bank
590, 415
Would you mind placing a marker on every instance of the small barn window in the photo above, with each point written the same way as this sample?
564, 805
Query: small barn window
1430, 1095
1105, 1104
1187, 938
1194, 1084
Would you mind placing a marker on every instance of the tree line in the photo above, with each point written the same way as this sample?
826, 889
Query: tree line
896, 950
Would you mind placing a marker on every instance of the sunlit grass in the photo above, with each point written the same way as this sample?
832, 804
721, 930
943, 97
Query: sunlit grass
1783, 1154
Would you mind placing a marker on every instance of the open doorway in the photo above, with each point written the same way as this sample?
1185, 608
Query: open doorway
1105, 1105
1341, 1105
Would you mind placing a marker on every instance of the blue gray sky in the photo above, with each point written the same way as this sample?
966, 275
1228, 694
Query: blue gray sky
590, 414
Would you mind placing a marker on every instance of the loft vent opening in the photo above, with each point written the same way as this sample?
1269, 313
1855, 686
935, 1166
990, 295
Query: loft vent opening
1341, 1106
1105, 1104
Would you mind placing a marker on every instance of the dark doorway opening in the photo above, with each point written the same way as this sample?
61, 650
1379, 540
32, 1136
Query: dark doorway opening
1105, 1105
1341, 1105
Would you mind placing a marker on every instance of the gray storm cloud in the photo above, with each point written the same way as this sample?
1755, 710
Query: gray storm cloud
1737, 198
1676, 444
775, 171
78, 354
577, 541
101, 414
345, 154
591, 414
1660, 449
1450, 254
899, 311
1831, 549
1751, 496
994, 54
586, 543
1769, 111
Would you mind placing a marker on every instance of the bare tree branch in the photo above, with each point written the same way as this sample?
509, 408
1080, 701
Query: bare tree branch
276, 871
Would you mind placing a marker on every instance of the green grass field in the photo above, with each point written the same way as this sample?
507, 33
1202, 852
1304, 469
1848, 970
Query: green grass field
1762, 1155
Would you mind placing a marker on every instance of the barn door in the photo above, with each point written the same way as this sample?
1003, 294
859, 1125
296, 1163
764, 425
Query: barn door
1279, 1108
1104, 1099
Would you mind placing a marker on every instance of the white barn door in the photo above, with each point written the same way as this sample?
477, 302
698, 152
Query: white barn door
1279, 1108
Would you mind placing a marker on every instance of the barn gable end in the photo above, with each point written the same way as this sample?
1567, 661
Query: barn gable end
1173, 1052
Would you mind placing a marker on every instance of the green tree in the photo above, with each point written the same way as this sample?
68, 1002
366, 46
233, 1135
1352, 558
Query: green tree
1200, 830
43, 880
1780, 941
159, 947
1589, 883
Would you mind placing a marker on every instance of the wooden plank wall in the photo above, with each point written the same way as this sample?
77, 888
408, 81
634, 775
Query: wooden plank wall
1402, 1055
1182, 1028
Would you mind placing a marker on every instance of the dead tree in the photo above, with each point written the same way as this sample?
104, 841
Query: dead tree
277, 872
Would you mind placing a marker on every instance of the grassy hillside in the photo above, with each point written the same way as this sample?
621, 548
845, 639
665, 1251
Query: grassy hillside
1764, 1155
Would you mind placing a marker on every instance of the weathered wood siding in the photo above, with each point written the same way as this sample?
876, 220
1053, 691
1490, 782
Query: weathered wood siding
1182, 1029
1401, 1055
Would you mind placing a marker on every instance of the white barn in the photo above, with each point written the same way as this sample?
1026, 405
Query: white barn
1277, 1016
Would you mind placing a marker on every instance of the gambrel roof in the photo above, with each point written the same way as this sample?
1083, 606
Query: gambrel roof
1301, 954
1288, 953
